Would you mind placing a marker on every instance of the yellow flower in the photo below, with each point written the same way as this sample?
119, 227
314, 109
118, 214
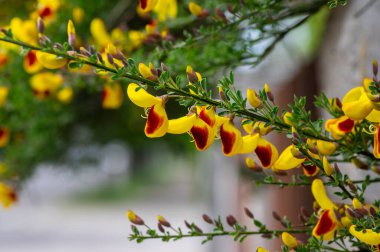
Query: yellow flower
45, 84
136, 38
166, 9
65, 95
7, 195
134, 218
368, 236
356, 105
266, 152
3, 95
25, 31
289, 240
356, 204
253, 99
326, 148
31, 64
141, 97
50, 61
99, 32
146, 71
181, 125
338, 127
195, 9
112, 96
287, 161
326, 226
47, 9
260, 249
78, 14
231, 139
148, 5
319, 193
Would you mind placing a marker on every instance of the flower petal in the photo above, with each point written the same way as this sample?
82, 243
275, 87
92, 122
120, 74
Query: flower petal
181, 125
112, 96
368, 236
249, 143
326, 225
319, 193
202, 133
141, 97
356, 105
310, 170
231, 139
50, 61
266, 152
157, 121
287, 161
31, 64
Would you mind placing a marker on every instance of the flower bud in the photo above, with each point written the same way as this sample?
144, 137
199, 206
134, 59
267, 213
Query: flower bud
110, 58
40, 25
84, 51
356, 203
289, 240
375, 67
160, 227
222, 95
231, 220
276, 216
71, 34
359, 163
191, 75
248, 213
164, 67
187, 224
134, 218
253, 99
99, 57
327, 166
207, 219
252, 165
304, 212
268, 92
163, 221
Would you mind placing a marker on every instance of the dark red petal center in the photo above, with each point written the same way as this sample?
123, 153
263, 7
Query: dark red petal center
325, 224
200, 135
346, 126
264, 153
154, 121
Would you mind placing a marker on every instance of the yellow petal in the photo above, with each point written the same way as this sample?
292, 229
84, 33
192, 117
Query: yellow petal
112, 96
181, 125
70, 28
260, 249
50, 61
3, 95
195, 9
327, 167
326, 226
286, 118
253, 99
356, 105
231, 139
31, 64
202, 134
287, 161
249, 143
289, 240
326, 148
145, 71
141, 97
99, 32
374, 116
319, 193
357, 204
65, 95
266, 152
368, 237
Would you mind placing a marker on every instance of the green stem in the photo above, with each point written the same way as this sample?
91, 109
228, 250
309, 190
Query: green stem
279, 183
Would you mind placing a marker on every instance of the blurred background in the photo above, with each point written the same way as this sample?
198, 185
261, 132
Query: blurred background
80, 165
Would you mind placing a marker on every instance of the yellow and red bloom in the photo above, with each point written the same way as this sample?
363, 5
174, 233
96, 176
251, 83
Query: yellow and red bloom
112, 96
47, 9
266, 152
31, 64
356, 105
231, 138
310, 170
7, 195
202, 133
287, 161
45, 84
4, 136
148, 5
326, 225
338, 127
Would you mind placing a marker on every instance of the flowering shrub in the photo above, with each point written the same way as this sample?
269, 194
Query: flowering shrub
352, 134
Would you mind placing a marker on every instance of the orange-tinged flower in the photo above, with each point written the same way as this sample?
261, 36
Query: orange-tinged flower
368, 236
289, 240
45, 84
4, 136
31, 64
338, 127
253, 99
3, 95
157, 121
287, 161
50, 61
112, 96
326, 226
266, 152
7, 195
356, 105
319, 193
141, 97
231, 139
181, 125
195, 9
376, 142
202, 134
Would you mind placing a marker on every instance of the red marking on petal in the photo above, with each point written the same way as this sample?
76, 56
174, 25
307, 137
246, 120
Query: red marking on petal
143, 4
31, 58
13, 196
104, 94
228, 140
325, 224
3, 60
264, 153
153, 122
206, 118
310, 170
200, 135
45, 12
2, 133
346, 126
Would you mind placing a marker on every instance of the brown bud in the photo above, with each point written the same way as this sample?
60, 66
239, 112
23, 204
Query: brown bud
187, 224
351, 185
351, 213
100, 58
220, 14
276, 216
58, 46
359, 163
163, 221
160, 227
164, 67
301, 218
304, 212
362, 211
119, 55
372, 210
338, 103
84, 51
207, 219
231, 220
40, 25
248, 213
72, 39
197, 229
110, 58
92, 49
192, 77
280, 172
375, 67
267, 236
